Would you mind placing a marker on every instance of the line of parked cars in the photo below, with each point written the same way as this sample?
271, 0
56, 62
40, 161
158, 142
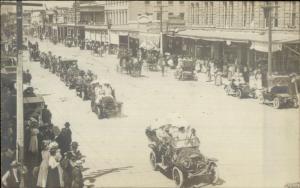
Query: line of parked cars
281, 91
83, 82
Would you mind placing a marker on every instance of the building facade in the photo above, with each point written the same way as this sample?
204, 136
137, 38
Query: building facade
235, 33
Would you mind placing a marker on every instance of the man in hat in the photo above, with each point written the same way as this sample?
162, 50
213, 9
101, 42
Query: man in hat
75, 151
64, 138
46, 115
11, 179
67, 164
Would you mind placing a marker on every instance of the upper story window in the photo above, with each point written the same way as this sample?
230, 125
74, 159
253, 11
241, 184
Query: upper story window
231, 13
181, 2
276, 14
158, 15
170, 15
225, 11
158, 2
147, 2
181, 15
293, 12
206, 13
192, 13
170, 2
252, 4
211, 13
244, 13
197, 13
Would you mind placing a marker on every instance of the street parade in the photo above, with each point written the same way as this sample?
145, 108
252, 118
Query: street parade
109, 94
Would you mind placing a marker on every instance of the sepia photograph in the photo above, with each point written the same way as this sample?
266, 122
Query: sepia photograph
150, 94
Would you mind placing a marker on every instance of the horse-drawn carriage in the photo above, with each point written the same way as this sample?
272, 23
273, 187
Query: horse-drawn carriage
34, 52
186, 71
132, 65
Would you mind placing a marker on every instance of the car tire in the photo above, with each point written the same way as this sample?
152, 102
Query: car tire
276, 103
239, 93
153, 161
178, 177
261, 99
227, 90
214, 175
295, 103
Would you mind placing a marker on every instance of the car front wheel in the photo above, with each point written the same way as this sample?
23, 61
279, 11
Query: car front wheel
214, 175
178, 177
153, 161
276, 103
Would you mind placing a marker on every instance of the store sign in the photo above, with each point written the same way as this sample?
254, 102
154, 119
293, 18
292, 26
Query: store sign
144, 19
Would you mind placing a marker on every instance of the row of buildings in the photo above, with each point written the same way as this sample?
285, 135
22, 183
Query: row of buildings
234, 31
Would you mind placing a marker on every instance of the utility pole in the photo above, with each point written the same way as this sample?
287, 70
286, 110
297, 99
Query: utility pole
268, 14
75, 14
161, 25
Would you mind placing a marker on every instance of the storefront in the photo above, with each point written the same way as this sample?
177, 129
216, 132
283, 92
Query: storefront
133, 40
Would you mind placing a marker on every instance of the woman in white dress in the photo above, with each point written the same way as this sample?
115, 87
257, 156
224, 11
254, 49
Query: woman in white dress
43, 171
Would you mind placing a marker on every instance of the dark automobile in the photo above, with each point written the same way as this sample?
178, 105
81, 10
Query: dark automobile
181, 158
34, 53
282, 92
64, 65
186, 71
242, 90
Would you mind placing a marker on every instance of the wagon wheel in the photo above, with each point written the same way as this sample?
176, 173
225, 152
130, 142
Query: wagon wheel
276, 103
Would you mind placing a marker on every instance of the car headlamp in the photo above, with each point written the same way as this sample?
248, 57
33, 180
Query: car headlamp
186, 164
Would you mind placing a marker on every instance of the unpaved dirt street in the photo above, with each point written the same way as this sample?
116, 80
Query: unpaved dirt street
256, 145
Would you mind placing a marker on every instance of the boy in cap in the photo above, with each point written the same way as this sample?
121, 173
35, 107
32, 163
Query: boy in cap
11, 179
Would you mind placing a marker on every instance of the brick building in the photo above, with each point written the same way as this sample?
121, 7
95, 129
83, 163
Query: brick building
235, 33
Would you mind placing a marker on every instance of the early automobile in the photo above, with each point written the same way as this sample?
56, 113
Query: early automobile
186, 71
105, 106
242, 90
64, 65
282, 91
180, 157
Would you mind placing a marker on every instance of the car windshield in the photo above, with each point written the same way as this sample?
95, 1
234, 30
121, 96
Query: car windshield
280, 89
185, 143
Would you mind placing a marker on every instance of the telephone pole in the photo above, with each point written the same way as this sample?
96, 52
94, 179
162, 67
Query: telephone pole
268, 14
161, 25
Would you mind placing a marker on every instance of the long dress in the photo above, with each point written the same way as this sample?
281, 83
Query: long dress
43, 172
53, 174
33, 143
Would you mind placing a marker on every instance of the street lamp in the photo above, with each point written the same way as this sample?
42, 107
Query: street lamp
268, 14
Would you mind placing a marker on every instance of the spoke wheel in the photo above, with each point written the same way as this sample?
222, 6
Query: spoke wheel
276, 103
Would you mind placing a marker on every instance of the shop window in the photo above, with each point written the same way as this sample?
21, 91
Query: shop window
181, 15
158, 16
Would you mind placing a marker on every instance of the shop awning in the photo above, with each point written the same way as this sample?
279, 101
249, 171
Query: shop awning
238, 36
149, 41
